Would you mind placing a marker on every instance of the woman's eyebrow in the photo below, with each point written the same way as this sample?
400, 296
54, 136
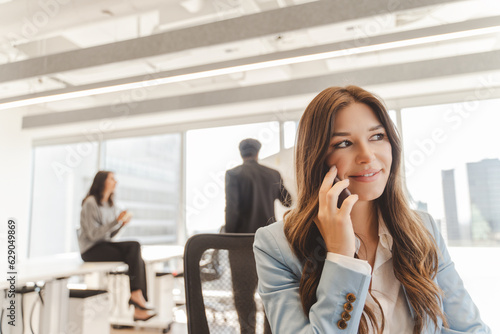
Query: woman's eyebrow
343, 134
376, 127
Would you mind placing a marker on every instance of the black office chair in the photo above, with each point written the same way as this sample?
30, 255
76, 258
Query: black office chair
220, 279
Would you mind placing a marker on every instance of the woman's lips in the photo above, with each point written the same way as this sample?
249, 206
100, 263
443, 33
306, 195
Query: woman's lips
368, 176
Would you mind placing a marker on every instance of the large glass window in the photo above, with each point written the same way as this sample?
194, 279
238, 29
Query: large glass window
290, 129
210, 152
62, 176
453, 172
148, 173
453, 168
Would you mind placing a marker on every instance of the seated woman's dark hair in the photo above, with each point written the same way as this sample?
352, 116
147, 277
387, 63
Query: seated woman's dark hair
97, 188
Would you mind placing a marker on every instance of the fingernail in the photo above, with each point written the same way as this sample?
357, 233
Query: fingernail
333, 167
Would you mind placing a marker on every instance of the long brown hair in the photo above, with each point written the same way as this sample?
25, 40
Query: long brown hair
415, 256
97, 188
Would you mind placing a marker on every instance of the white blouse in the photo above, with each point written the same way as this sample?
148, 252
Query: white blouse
384, 285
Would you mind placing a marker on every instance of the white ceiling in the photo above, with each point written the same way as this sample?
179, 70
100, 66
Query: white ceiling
51, 50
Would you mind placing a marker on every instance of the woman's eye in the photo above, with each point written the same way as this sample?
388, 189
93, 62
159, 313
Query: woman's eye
342, 144
378, 136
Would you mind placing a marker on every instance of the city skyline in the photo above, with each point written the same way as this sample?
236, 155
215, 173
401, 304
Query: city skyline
483, 188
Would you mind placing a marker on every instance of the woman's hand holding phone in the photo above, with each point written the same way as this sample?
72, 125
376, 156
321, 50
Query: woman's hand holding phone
335, 223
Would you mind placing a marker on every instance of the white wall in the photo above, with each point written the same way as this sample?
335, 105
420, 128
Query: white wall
15, 179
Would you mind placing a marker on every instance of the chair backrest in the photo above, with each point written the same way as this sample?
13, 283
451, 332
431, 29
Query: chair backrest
215, 266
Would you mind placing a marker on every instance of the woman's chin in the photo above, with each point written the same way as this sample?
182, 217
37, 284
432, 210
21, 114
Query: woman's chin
368, 197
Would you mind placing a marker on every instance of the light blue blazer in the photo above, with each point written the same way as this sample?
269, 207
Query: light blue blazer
279, 272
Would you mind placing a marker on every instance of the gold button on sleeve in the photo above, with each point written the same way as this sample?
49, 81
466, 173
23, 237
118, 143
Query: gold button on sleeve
350, 297
346, 316
348, 307
342, 324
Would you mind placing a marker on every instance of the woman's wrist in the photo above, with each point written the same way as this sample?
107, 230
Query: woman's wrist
341, 249
358, 265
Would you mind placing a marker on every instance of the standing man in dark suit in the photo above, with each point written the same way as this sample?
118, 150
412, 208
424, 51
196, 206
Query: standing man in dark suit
251, 190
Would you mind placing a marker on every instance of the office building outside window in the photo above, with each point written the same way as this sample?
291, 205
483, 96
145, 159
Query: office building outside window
452, 170
148, 173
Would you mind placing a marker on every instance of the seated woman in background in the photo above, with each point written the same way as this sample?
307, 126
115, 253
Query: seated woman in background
369, 264
99, 224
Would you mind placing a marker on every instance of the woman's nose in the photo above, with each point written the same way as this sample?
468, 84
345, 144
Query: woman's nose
365, 154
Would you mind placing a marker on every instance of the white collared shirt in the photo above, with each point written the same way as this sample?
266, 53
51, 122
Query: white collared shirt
384, 285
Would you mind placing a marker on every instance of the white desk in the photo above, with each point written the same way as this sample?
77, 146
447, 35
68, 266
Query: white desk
60, 266
161, 253
54, 271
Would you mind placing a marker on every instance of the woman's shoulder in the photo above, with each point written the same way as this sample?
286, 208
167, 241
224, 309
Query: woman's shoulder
433, 228
272, 240
89, 202
428, 221
274, 231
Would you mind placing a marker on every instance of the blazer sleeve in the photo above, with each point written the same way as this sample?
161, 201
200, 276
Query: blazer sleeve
279, 289
232, 203
460, 311
91, 223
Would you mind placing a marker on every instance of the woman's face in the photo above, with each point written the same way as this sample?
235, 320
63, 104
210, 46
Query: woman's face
110, 183
361, 151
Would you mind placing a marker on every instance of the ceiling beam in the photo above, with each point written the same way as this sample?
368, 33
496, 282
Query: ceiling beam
375, 40
271, 22
229, 120
428, 69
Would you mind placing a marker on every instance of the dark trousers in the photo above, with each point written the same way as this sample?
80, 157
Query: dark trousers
244, 280
126, 251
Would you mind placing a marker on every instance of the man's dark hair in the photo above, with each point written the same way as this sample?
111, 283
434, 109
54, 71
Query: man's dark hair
249, 147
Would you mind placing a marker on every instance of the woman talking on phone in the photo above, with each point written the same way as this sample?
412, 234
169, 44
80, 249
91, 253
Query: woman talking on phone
369, 264
99, 223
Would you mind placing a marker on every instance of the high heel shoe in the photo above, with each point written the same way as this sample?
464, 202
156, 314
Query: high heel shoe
145, 319
131, 302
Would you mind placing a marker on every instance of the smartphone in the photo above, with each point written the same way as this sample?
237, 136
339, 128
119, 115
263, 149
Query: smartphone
343, 195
